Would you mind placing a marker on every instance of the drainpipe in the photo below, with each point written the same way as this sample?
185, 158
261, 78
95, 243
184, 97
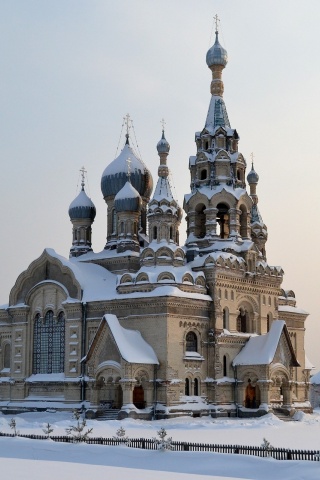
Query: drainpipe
155, 391
236, 389
83, 346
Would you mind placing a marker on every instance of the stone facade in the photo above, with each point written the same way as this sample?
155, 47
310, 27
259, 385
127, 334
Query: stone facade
68, 336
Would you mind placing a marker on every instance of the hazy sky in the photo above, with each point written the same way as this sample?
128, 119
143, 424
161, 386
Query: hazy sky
70, 71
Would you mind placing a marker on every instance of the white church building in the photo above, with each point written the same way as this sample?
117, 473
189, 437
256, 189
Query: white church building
150, 328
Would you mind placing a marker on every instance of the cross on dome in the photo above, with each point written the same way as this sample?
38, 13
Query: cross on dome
163, 124
83, 172
128, 123
217, 20
252, 158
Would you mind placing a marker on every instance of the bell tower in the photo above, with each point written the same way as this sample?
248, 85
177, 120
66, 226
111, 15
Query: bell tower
218, 207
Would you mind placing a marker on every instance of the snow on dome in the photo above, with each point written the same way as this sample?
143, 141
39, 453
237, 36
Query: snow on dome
128, 199
217, 55
82, 207
114, 176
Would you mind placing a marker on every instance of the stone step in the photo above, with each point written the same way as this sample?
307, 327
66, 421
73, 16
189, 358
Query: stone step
107, 414
285, 417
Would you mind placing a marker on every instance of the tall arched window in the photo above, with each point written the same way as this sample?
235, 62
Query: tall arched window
225, 372
155, 233
191, 342
6, 356
243, 222
200, 221
187, 387
196, 387
223, 220
48, 343
242, 321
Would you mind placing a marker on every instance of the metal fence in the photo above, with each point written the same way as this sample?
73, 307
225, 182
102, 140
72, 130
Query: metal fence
149, 444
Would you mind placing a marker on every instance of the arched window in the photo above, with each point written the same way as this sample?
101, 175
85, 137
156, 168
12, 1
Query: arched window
6, 356
187, 387
155, 233
203, 174
225, 371
196, 387
243, 222
191, 342
200, 221
48, 343
171, 233
242, 321
223, 220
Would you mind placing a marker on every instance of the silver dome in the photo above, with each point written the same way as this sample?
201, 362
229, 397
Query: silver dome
217, 55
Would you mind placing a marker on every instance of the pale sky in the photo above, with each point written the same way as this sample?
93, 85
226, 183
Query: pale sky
70, 71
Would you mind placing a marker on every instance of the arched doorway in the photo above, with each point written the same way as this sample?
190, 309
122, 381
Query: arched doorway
252, 394
108, 386
138, 396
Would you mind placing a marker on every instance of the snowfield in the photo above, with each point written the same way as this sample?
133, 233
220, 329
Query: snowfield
38, 459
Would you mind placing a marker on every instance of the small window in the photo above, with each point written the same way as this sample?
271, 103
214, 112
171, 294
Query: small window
191, 342
6, 356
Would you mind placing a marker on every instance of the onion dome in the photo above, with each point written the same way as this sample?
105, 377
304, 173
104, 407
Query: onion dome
114, 176
217, 55
128, 199
163, 146
252, 176
82, 207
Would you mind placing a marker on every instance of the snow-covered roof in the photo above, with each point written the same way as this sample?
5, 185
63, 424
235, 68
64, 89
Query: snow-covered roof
96, 282
132, 347
260, 350
210, 191
291, 309
217, 114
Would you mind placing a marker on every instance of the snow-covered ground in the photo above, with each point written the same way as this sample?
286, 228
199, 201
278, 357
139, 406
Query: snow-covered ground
51, 460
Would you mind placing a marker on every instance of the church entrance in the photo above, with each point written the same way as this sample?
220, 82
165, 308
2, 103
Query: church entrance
109, 391
252, 395
138, 397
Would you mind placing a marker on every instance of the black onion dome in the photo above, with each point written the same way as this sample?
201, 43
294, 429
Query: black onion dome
128, 199
163, 146
82, 207
115, 175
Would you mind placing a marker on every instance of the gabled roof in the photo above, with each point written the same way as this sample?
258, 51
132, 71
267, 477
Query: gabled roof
130, 343
260, 350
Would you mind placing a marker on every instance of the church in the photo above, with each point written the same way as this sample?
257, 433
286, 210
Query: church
148, 328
